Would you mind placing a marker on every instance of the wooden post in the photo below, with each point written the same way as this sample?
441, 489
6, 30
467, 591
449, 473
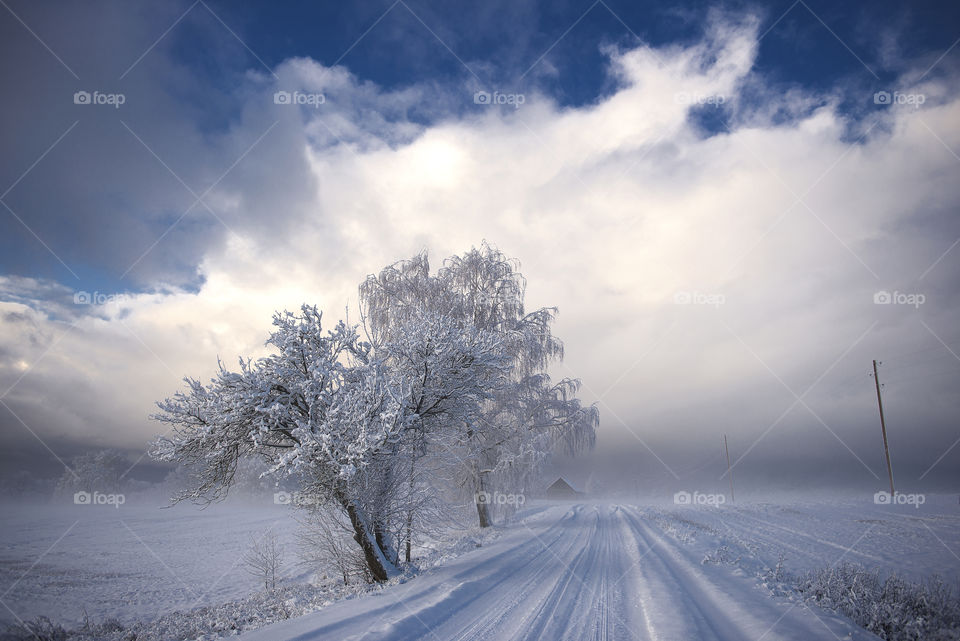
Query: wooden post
883, 428
729, 469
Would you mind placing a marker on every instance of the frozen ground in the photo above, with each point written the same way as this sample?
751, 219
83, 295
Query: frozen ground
135, 562
560, 571
913, 542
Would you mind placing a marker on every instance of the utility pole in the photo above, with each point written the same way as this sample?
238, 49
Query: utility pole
729, 469
883, 428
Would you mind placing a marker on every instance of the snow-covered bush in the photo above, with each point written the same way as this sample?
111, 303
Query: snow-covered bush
722, 556
39, 629
887, 605
264, 558
208, 622
325, 540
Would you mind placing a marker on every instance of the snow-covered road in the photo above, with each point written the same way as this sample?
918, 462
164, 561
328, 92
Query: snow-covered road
572, 572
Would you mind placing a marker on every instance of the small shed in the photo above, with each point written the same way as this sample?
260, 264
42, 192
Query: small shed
560, 489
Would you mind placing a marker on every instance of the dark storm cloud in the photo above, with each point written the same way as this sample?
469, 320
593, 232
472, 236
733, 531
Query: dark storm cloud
106, 194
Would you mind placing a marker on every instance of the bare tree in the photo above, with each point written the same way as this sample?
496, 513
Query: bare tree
264, 558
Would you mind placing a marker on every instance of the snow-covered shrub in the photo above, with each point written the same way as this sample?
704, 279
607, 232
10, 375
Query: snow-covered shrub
778, 573
324, 541
264, 558
722, 556
39, 629
887, 605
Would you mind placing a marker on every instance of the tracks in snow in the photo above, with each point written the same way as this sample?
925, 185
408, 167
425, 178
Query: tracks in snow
582, 572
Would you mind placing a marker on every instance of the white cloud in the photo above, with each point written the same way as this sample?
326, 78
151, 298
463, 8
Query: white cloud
613, 209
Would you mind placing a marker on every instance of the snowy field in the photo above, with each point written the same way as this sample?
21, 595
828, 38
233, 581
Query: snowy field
559, 571
133, 562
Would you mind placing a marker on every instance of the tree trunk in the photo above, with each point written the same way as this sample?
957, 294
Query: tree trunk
380, 567
482, 501
409, 527
409, 533
385, 541
483, 512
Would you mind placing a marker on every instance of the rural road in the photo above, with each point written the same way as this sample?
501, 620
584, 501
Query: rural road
571, 572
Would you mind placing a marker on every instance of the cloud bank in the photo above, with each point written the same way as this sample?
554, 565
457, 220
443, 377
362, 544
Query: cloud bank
710, 280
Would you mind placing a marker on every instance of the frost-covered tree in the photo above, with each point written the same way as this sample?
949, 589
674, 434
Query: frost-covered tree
451, 385
335, 412
99, 471
527, 418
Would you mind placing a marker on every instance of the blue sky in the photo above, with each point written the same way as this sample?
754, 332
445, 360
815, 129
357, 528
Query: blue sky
813, 44
845, 50
713, 195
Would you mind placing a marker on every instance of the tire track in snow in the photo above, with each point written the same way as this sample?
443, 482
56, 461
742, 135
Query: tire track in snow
494, 618
472, 587
662, 594
536, 625
717, 607
579, 607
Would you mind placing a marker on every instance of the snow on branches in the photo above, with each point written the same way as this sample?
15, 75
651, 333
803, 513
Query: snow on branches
524, 419
452, 376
